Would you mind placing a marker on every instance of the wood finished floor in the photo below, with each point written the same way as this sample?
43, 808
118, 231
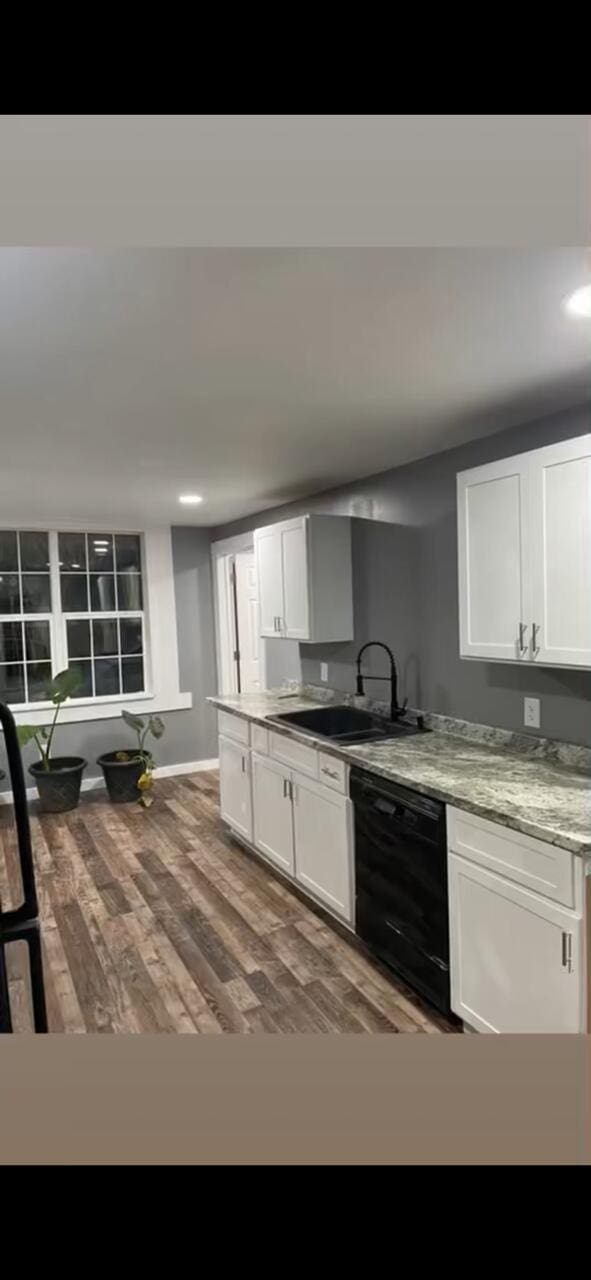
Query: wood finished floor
156, 921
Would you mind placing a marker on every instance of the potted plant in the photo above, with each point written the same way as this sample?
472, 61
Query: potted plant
58, 778
128, 773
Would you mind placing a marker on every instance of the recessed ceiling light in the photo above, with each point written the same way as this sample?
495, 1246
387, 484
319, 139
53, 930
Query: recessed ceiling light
190, 499
579, 303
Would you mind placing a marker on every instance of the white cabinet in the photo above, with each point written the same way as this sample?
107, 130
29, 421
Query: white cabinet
516, 958
306, 829
270, 579
524, 557
323, 841
493, 545
235, 793
561, 534
273, 815
305, 579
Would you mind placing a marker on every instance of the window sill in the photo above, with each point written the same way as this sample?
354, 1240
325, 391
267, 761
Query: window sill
106, 709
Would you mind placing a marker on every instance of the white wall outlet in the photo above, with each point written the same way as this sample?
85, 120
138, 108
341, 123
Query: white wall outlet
324, 672
531, 712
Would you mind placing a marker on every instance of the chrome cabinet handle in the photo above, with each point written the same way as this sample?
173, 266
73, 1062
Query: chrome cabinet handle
243, 764
331, 773
286, 795
535, 648
567, 951
275, 623
522, 631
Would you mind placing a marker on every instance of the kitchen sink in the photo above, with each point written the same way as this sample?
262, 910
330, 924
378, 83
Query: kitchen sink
347, 725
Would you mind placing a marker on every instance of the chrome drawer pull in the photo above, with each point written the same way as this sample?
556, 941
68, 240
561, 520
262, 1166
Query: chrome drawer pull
330, 773
535, 648
567, 951
522, 631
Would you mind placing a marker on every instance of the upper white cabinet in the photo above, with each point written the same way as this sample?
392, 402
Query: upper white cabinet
561, 568
305, 579
524, 557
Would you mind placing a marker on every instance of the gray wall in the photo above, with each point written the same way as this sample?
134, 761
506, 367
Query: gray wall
406, 593
190, 735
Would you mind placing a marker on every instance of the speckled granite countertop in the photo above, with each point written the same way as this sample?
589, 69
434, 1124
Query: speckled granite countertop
521, 791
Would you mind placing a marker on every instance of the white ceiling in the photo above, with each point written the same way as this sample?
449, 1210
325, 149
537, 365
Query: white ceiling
256, 376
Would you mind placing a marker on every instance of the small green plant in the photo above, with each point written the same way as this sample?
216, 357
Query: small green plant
144, 727
59, 689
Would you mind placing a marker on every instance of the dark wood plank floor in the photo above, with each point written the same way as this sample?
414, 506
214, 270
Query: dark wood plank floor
157, 921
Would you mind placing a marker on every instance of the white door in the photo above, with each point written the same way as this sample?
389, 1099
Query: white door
516, 960
295, 621
247, 601
273, 823
561, 553
323, 844
493, 560
270, 580
235, 796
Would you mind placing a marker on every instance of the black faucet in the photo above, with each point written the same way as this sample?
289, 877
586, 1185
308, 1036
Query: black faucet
395, 711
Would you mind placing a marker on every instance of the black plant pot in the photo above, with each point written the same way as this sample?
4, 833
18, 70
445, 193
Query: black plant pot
59, 786
121, 777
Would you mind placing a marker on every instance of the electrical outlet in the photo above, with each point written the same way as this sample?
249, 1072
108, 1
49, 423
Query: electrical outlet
324, 672
531, 712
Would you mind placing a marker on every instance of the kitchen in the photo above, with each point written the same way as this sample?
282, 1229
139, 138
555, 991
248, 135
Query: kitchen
369, 640
456, 851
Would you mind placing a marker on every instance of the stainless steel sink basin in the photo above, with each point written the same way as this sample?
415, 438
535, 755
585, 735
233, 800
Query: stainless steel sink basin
347, 725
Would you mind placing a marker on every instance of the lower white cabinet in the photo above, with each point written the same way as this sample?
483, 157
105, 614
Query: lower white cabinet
323, 834
273, 816
306, 830
516, 958
235, 793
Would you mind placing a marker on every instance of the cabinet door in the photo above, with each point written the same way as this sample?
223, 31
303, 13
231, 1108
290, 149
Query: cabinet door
516, 960
270, 580
493, 561
235, 797
273, 822
323, 844
561, 553
295, 621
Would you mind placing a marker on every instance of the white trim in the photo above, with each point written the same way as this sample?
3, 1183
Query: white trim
110, 709
165, 771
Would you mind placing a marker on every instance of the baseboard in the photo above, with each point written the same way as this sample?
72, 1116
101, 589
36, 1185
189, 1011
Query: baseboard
165, 771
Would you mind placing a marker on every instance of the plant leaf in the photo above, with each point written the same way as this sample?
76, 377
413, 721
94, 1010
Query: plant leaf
156, 727
134, 722
64, 684
25, 733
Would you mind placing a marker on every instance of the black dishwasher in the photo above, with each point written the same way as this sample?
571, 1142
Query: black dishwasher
401, 882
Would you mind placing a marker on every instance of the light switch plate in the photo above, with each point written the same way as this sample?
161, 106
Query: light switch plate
324, 672
531, 712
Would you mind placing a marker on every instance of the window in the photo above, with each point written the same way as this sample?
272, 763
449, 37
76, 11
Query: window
102, 607
71, 599
25, 616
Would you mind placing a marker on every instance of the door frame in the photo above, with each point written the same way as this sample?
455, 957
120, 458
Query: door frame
225, 634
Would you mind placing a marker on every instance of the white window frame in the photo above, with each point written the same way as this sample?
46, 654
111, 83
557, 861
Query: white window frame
161, 665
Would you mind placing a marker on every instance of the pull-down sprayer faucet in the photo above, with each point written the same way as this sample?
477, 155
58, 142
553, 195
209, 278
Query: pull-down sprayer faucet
395, 711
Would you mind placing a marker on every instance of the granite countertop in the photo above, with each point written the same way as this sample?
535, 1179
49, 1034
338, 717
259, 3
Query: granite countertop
524, 792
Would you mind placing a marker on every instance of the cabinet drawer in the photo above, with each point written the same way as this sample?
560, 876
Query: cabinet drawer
295, 754
518, 857
259, 739
234, 727
333, 772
